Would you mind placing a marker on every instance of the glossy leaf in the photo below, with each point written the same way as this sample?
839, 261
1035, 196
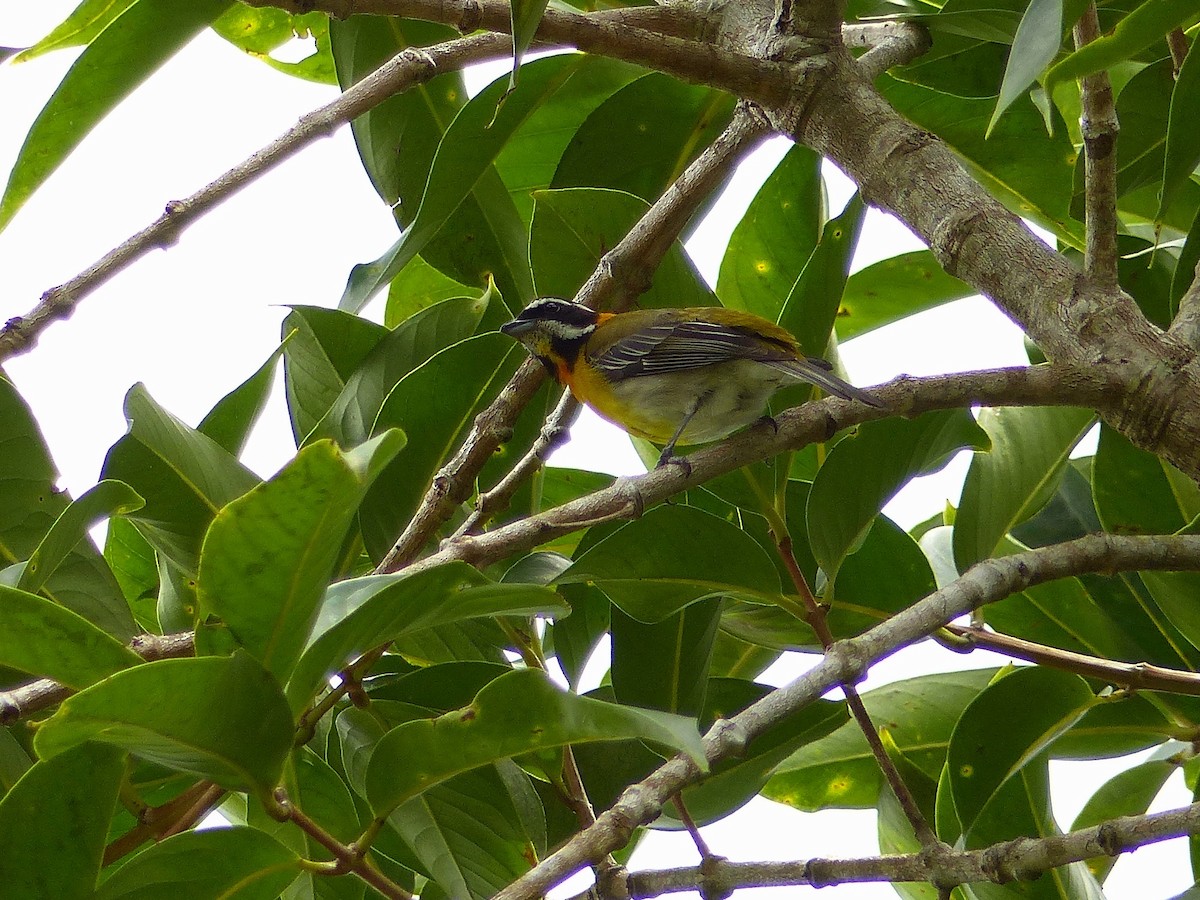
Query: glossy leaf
666, 665
1015, 478
269, 555
184, 476
258, 31
106, 499
238, 863
54, 823
418, 286
919, 715
1142, 27
893, 289
641, 138
322, 349
1183, 132
1185, 268
78, 29
671, 557
47, 641
351, 417
865, 470
230, 421
1136, 492
464, 157
434, 404
574, 227
224, 718
812, 304
29, 505
1034, 47
517, 713
1127, 793
1036, 705
361, 613
526, 16
116, 61
772, 242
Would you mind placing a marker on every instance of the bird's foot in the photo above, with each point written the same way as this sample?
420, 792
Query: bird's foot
668, 458
766, 420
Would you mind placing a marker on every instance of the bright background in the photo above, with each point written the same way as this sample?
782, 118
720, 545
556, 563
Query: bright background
193, 322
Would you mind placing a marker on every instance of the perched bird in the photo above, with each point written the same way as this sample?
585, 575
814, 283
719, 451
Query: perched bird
675, 375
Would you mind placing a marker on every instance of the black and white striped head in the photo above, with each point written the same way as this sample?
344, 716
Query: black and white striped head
548, 320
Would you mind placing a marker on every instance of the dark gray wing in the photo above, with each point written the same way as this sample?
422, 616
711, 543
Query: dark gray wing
675, 346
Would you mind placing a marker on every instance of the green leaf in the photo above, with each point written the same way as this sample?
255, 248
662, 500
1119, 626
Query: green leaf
464, 157
117, 60
1035, 706
48, 641
435, 404
812, 304
665, 665
893, 289
352, 415
361, 613
106, 499
517, 713
1127, 793
1027, 169
322, 349
840, 771
238, 862
574, 227
1149, 22
1036, 43
958, 65
269, 555
1138, 493
54, 823
258, 31
774, 239
642, 137
221, 718
526, 16
866, 469
419, 286
229, 422
29, 506
78, 29
184, 476
1183, 133
673, 556
1015, 478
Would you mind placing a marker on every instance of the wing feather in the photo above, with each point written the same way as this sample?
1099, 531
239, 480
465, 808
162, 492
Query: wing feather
675, 346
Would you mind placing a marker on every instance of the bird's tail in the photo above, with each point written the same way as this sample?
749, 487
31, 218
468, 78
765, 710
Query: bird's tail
817, 371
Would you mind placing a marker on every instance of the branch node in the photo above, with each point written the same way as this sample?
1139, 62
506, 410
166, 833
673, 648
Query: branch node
730, 737
471, 18
1108, 838
850, 660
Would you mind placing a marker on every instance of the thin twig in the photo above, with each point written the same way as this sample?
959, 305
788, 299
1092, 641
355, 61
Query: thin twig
1137, 676
890, 43
986, 582
623, 274
815, 616
1100, 127
408, 69
552, 435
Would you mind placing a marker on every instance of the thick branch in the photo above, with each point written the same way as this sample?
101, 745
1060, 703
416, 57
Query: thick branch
892, 43
1100, 128
1156, 381
846, 660
623, 274
1186, 326
1023, 858
409, 68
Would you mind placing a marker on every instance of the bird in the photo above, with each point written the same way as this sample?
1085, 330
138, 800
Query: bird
676, 375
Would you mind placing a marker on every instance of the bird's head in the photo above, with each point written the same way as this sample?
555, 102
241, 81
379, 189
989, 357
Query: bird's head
553, 330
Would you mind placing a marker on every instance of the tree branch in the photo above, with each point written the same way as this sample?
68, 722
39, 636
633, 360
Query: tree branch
409, 68
1100, 129
623, 274
1022, 858
45, 692
1186, 326
1136, 676
846, 660
890, 44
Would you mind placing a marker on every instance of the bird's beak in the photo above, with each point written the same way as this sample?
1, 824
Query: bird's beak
516, 328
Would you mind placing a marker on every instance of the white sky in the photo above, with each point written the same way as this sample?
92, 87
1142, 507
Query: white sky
194, 321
